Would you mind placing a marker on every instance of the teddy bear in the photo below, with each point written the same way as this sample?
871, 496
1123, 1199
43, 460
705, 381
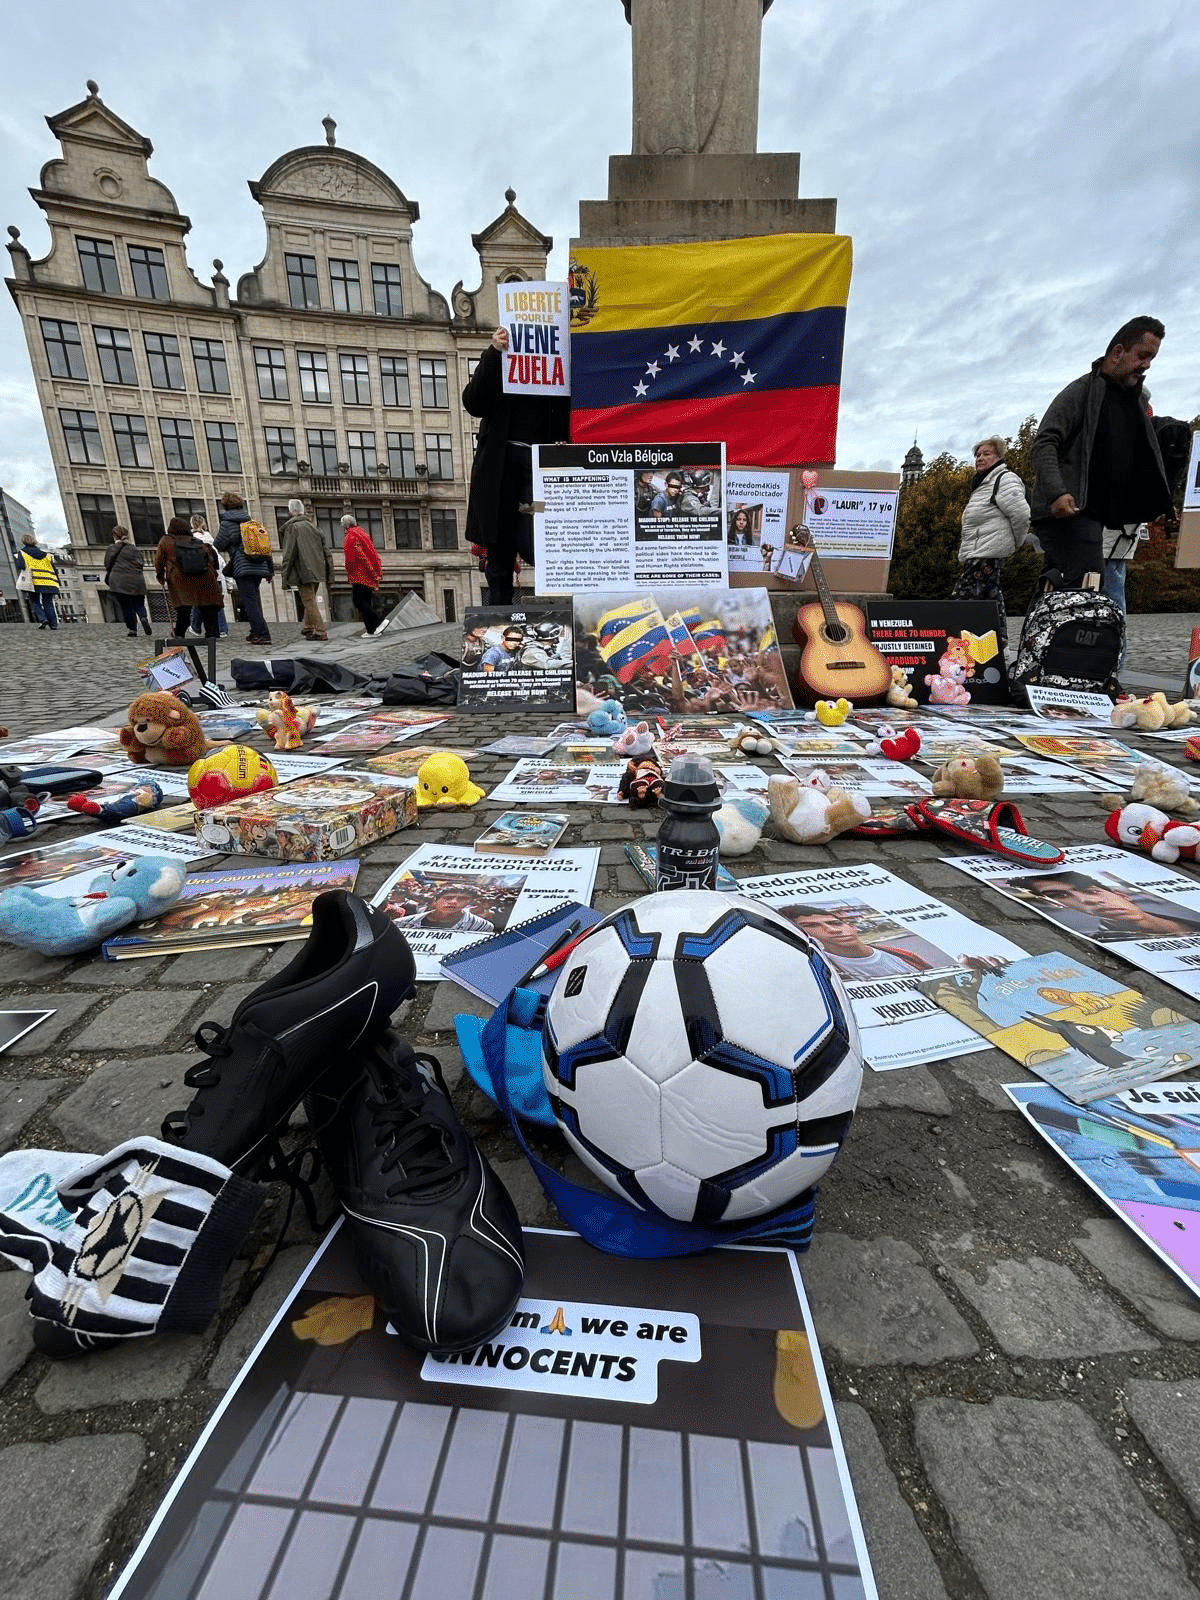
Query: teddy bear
130, 891
1149, 714
897, 744
806, 813
641, 782
1144, 827
753, 742
161, 731
947, 687
633, 742
739, 823
831, 713
900, 691
607, 720
1158, 786
284, 723
969, 777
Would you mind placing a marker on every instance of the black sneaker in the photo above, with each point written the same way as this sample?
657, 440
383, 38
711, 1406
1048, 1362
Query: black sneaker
436, 1236
339, 991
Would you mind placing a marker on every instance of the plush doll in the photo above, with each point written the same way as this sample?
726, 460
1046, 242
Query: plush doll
1158, 786
947, 687
641, 782
807, 814
1144, 827
131, 891
284, 723
900, 691
637, 741
1150, 713
969, 778
740, 823
832, 713
753, 742
444, 780
142, 797
607, 720
897, 744
162, 731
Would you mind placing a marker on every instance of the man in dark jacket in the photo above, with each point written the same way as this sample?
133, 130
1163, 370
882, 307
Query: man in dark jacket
305, 566
502, 473
1096, 456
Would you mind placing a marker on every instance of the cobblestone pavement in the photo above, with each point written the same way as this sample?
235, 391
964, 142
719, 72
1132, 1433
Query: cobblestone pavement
1016, 1376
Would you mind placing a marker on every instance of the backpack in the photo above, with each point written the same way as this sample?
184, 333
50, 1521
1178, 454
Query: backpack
256, 541
191, 557
1071, 639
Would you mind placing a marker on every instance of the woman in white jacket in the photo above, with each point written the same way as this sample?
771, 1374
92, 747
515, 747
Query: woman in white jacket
995, 525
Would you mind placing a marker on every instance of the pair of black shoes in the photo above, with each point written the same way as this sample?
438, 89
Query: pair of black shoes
436, 1236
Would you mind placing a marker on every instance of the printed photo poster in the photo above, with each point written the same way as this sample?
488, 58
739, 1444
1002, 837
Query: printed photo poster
640, 1429
449, 897
1130, 905
536, 317
517, 659
1137, 1151
15, 1025
545, 783
627, 517
949, 648
66, 870
755, 516
1034, 775
851, 524
1083, 1033
407, 762
1068, 705
678, 653
1108, 758
874, 779
880, 935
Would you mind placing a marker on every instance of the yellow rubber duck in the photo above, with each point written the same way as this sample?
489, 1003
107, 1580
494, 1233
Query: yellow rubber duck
443, 780
832, 713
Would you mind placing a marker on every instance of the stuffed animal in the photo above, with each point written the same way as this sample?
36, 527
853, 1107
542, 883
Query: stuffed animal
142, 797
608, 719
641, 782
807, 814
228, 774
753, 742
637, 741
969, 778
131, 891
1149, 714
897, 744
740, 823
947, 687
284, 723
443, 779
1158, 786
1147, 828
832, 713
900, 691
162, 731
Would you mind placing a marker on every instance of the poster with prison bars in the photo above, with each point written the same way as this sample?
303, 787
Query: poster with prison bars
642, 1430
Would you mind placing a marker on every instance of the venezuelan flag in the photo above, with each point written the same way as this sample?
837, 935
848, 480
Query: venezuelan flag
644, 646
612, 622
737, 339
710, 637
681, 640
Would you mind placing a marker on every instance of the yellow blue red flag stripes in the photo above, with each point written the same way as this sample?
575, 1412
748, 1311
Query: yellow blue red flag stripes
681, 639
612, 622
644, 646
737, 339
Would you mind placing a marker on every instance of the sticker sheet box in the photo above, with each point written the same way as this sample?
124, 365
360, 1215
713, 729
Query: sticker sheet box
313, 819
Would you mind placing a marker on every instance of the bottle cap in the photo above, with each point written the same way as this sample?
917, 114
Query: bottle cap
691, 785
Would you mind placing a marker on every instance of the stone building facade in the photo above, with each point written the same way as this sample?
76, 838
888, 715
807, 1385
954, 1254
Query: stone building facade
334, 373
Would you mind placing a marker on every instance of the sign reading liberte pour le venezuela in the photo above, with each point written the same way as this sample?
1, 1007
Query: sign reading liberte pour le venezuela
536, 317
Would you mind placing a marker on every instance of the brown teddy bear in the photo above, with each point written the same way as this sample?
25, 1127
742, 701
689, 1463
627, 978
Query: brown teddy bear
162, 732
969, 778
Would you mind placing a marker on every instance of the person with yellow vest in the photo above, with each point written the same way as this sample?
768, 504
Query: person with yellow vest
39, 564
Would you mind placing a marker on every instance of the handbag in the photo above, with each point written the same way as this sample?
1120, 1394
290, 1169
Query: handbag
25, 580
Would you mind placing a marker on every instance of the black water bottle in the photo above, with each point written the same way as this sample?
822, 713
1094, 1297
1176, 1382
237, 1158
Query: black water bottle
688, 839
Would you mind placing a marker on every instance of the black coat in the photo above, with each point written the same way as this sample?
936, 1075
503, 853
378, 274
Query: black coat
229, 539
484, 397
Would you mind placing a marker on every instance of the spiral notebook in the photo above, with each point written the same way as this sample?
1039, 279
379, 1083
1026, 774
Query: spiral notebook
494, 967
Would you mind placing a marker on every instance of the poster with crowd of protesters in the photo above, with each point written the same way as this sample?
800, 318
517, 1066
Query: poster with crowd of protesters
517, 658
613, 516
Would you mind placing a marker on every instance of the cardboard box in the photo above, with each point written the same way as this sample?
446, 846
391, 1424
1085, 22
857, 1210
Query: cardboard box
313, 819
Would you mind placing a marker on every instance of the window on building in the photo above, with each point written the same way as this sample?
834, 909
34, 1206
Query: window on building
370, 519
179, 444
98, 513
281, 450
407, 520
356, 380
149, 272
438, 456
223, 452
393, 374
314, 374
131, 439
443, 528
322, 451
343, 281
385, 283
329, 525
281, 516
362, 452
183, 507
98, 263
145, 518
271, 371
166, 364
115, 350
82, 434
303, 289
435, 390
64, 348
402, 455
448, 605
212, 375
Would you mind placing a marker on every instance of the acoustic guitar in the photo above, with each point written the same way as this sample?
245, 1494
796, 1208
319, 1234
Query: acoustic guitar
836, 656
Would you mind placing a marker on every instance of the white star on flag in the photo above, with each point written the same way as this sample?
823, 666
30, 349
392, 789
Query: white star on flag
719, 348
737, 358
748, 376
672, 352
639, 389
653, 370
695, 344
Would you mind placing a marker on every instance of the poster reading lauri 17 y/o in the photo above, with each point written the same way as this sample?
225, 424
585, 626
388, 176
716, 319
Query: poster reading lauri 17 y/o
642, 1429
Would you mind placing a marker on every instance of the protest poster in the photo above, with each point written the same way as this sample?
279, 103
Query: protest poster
615, 516
1068, 705
448, 897
1118, 899
849, 524
880, 934
678, 652
949, 648
1136, 1150
874, 779
289, 765
365, 737
755, 514
517, 658
406, 762
546, 783
536, 317
1083, 1033
640, 1428
1034, 775
1109, 758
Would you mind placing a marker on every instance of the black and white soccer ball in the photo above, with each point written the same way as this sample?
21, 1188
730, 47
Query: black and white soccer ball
701, 1057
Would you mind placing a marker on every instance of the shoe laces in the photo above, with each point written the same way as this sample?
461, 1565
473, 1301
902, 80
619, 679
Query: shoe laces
214, 1040
421, 1151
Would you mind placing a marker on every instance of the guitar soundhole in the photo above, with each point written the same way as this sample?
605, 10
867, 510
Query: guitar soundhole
835, 632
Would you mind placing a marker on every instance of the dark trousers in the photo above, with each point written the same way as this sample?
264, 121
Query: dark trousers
514, 529
980, 580
364, 604
1073, 546
183, 615
247, 589
42, 604
133, 611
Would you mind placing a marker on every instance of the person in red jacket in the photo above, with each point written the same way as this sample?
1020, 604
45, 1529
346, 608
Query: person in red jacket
364, 570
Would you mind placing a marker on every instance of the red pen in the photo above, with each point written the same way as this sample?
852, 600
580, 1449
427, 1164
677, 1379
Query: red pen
556, 958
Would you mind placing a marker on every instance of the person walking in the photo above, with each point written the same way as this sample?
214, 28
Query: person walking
200, 531
246, 570
364, 570
305, 566
39, 564
125, 574
187, 569
995, 524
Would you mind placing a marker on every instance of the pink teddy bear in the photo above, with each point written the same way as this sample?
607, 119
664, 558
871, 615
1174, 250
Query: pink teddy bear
948, 686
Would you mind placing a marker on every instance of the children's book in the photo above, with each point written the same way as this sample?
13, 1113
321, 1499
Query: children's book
494, 967
222, 910
523, 833
645, 859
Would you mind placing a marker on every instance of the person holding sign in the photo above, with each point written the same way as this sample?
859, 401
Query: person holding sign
502, 472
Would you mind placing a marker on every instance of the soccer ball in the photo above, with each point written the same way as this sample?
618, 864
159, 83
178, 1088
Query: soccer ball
700, 1056
228, 774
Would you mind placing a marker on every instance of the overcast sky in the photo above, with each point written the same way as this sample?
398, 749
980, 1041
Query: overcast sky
1017, 179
